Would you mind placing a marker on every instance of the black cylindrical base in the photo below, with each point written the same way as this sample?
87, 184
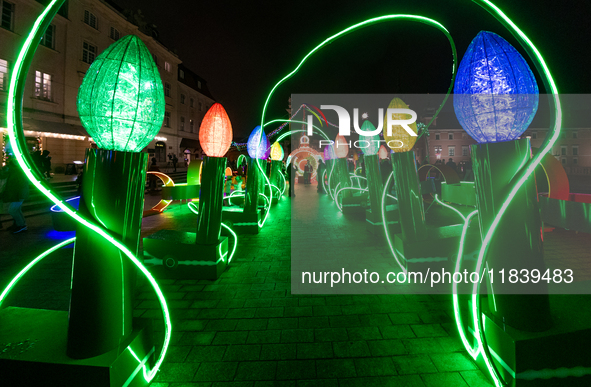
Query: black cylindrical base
517, 243
211, 199
101, 301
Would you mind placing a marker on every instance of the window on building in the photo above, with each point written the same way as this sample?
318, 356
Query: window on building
155, 59
182, 126
88, 52
183, 99
191, 126
191, 102
450, 136
575, 161
167, 89
534, 135
563, 151
167, 66
3, 74
200, 106
437, 136
464, 136
575, 135
114, 33
199, 84
451, 150
42, 85
90, 19
7, 15
563, 160
438, 150
575, 150
465, 151
48, 39
181, 74
167, 119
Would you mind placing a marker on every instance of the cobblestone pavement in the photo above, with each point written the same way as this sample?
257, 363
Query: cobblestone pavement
247, 329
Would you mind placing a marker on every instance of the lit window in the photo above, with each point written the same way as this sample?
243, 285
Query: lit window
88, 52
42, 85
48, 38
465, 150
437, 150
181, 74
7, 15
167, 66
201, 106
167, 119
451, 150
199, 84
575, 150
450, 136
90, 19
191, 126
183, 99
3, 74
114, 34
437, 136
182, 127
192, 102
167, 89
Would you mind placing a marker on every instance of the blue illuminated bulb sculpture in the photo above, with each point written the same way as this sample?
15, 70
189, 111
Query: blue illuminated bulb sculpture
256, 146
374, 141
329, 153
495, 91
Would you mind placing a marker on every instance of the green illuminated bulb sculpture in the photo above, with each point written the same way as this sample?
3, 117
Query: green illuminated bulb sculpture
121, 105
121, 100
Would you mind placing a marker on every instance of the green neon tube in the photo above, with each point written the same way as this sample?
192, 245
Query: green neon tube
18, 144
450, 207
343, 189
195, 210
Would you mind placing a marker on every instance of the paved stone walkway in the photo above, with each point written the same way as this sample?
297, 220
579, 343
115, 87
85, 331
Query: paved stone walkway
247, 329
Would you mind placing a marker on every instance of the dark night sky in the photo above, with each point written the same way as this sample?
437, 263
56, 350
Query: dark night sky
243, 48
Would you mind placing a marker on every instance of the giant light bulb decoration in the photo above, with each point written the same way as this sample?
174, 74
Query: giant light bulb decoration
257, 147
276, 178
121, 105
406, 179
495, 99
215, 136
121, 100
495, 92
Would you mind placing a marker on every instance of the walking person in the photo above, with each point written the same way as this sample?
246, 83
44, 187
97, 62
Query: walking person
174, 161
320, 176
15, 192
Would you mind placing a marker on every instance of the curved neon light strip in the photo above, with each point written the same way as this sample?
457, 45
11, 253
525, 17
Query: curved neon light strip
476, 350
17, 142
168, 182
522, 175
385, 224
450, 207
55, 209
194, 209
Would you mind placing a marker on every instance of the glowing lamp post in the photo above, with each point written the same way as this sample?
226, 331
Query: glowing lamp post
341, 148
215, 136
495, 100
406, 179
257, 147
370, 146
121, 105
276, 164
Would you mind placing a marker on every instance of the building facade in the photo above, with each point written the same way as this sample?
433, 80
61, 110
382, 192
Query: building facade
77, 35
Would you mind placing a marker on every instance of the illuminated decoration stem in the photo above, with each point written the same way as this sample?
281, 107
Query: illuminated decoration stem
385, 225
522, 175
195, 210
18, 144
